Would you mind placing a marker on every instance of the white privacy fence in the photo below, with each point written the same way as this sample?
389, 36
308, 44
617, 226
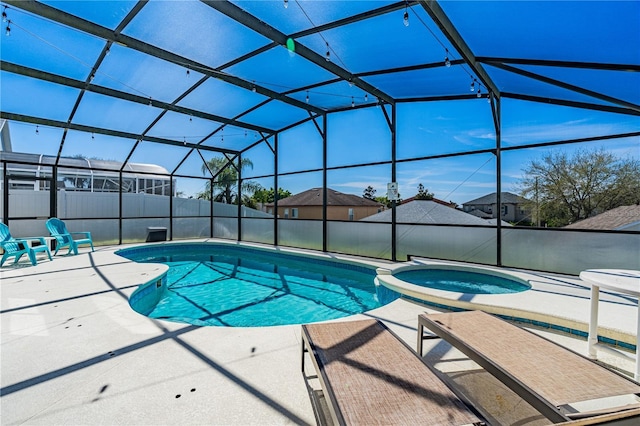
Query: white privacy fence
26, 203
553, 250
99, 213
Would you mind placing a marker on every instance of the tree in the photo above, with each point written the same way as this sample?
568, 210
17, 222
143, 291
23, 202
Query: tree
262, 195
369, 193
566, 188
387, 202
226, 181
423, 193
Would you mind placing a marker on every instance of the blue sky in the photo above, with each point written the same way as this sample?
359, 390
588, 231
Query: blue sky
355, 136
459, 179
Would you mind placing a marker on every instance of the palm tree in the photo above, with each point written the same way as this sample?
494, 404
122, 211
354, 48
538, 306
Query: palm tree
225, 181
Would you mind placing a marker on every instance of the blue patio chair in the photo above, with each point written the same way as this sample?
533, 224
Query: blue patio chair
64, 238
16, 247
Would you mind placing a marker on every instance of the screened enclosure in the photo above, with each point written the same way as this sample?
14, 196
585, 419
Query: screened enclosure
201, 116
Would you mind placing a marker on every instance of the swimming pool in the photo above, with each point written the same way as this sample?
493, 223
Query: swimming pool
213, 284
462, 281
452, 286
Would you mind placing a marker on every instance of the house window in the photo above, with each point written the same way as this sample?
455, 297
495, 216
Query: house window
294, 213
504, 210
350, 214
286, 213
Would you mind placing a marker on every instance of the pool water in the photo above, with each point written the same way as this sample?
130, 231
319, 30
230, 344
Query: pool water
243, 287
461, 281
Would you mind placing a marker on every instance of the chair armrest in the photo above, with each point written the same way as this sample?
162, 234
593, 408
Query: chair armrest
41, 239
27, 240
86, 234
22, 241
14, 240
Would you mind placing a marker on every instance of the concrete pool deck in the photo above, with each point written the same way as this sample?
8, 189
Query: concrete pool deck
73, 351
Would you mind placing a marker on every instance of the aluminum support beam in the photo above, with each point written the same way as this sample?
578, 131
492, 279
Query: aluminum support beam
108, 132
573, 104
80, 24
560, 64
449, 30
250, 21
568, 86
77, 84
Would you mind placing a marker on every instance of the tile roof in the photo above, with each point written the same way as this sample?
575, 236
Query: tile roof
623, 217
437, 200
313, 197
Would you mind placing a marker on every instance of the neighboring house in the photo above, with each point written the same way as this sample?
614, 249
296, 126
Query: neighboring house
481, 214
436, 200
308, 205
514, 207
33, 172
76, 175
623, 218
428, 212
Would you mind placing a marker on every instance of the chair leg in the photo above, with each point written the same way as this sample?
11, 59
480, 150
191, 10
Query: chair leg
73, 246
4, 257
32, 257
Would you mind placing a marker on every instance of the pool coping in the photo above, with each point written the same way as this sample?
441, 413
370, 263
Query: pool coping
513, 306
74, 352
516, 306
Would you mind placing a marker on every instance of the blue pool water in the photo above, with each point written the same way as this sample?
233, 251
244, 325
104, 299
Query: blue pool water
213, 285
461, 281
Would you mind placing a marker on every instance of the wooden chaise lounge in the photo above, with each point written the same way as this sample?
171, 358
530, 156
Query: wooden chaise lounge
370, 377
561, 384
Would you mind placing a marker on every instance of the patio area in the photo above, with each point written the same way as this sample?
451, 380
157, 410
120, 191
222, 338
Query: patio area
74, 352
500, 134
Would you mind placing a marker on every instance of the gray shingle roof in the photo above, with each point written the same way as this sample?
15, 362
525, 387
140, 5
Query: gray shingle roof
614, 219
494, 222
426, 211
480, 214
313, 197
507, 197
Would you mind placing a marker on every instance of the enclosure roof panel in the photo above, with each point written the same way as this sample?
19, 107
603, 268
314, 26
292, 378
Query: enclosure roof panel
584, 31
183, 73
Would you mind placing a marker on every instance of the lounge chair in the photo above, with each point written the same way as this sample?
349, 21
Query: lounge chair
562, 385
64, 238
369, 376
16, 247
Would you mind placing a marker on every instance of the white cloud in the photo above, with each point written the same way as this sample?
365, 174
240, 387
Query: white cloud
571, 129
